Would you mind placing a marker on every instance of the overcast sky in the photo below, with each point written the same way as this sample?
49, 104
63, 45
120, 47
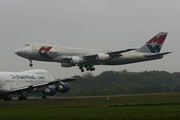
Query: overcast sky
98, 24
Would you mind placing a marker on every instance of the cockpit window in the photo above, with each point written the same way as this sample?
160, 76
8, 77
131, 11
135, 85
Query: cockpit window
26, 44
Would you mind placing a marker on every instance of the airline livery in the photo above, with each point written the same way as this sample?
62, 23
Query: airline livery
22, 83
87, 58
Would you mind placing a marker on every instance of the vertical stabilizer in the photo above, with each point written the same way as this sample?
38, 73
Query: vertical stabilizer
155, 44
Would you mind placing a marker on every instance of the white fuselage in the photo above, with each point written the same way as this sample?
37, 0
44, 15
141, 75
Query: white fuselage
10, 81
56, 53
87, 58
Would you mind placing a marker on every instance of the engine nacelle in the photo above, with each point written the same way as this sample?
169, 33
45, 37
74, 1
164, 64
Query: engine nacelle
67, 64
103, 57
50, 91
76, 60
63, 88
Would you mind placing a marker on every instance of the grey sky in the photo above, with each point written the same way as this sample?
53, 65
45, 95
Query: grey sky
99, 24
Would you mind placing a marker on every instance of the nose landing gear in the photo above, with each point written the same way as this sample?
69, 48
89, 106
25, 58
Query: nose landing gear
81, 68
30, 63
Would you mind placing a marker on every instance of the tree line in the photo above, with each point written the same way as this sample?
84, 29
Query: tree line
125, 82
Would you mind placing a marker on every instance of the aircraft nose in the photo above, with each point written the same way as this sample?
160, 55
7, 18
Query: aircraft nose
25, 52
19, 51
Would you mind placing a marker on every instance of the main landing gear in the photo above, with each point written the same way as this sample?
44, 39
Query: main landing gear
7, 98
91, 68
22, 97
44, 96
30, 63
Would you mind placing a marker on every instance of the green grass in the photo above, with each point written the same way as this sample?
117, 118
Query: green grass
104, 113
152, 106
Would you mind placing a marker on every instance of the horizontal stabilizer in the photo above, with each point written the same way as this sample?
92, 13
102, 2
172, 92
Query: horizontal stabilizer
159, 54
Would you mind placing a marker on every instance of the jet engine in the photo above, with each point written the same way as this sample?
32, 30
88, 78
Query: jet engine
76, 60
103, 57
50, 91
67, 64
63, 88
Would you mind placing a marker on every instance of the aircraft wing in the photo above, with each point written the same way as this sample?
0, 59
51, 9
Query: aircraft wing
112, 54
68, 79
64, 80
29, 87
118, 53
91, 58
25, 87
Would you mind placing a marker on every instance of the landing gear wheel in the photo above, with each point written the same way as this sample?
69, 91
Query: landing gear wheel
82, 70
22, 97
87, 68
30, 63
44, 97
92, 69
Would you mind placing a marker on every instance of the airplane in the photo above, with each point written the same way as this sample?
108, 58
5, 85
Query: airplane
30, 81
87, 58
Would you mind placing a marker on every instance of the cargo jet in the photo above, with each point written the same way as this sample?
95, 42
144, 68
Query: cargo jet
87, 58
31, 81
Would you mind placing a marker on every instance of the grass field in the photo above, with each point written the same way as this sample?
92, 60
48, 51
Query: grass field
85, 113
153, 106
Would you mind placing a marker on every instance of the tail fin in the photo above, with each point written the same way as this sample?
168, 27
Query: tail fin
155, 44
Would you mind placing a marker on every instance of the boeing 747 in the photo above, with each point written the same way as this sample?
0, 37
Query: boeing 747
87, 58
31, 81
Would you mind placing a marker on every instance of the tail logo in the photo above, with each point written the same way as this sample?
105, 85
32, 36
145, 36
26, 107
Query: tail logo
43, 52
155, 44
154, 47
